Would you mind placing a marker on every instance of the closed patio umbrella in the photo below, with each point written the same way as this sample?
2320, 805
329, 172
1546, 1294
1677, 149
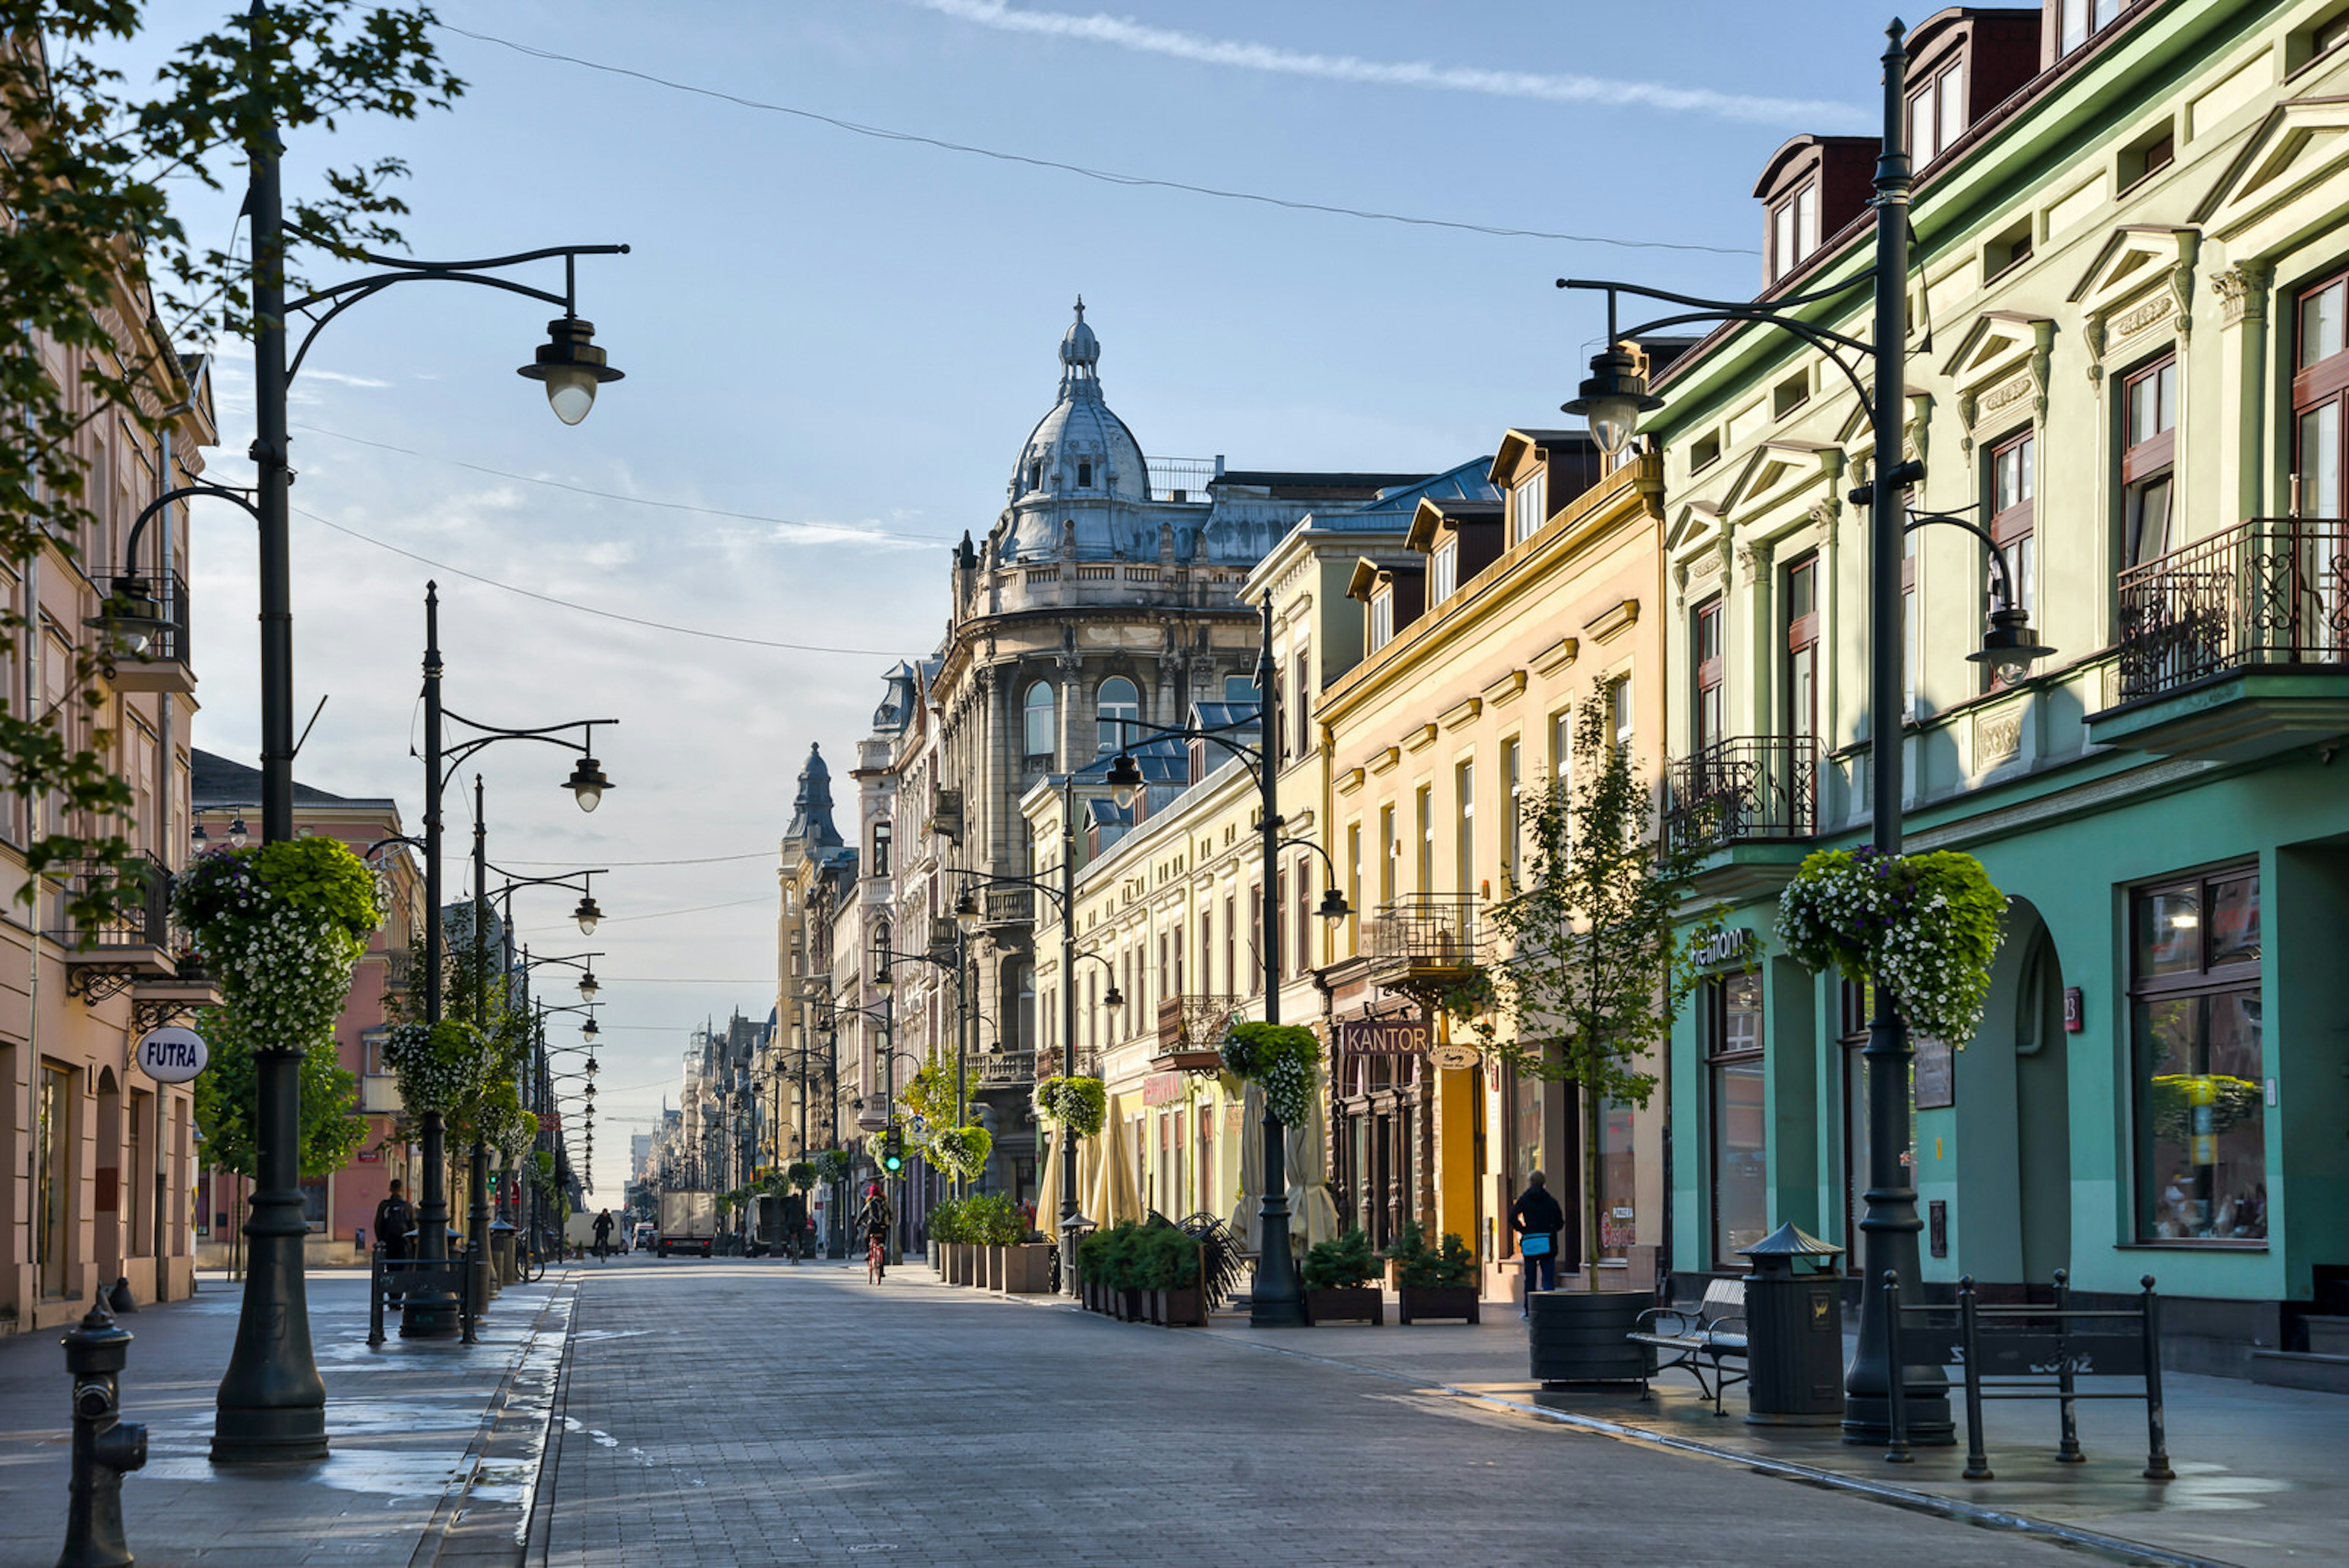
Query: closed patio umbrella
1312, 1217
1048, 1185
1244, 1212
1124, 1199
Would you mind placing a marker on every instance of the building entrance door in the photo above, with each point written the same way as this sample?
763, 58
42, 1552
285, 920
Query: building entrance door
54, 1197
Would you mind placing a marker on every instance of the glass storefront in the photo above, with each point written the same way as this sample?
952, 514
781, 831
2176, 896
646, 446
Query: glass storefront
1740, 1154
2197, 1026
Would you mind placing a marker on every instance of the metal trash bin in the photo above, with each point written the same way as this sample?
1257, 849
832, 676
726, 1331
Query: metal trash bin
502, 1254
1794, 1331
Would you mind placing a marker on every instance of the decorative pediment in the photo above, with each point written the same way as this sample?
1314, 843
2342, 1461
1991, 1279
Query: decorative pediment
1771, 465
1997, 342
1696, 518
2000, 370
2140, 286
2298, 144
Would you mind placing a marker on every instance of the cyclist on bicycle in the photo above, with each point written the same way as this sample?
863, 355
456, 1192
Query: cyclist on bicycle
874, 1220
603, 1234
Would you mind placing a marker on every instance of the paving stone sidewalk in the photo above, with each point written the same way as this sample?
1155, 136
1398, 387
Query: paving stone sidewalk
729, 1412
2259, 1476
415, 1474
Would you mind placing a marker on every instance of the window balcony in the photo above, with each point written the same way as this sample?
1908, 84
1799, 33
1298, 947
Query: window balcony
1004, 1070
1427, 942
1745, 789
162, 665
134, 946
1011, 906
1191, 1030
2235, 646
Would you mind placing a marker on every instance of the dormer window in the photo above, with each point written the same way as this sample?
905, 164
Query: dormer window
1937, 115
1444, 570
2081, 19
1794, 229
1528, 507
1381, 618
1084, 475
1036, 476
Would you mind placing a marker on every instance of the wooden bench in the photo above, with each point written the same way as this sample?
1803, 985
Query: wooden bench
2031, 1353
1699, 1341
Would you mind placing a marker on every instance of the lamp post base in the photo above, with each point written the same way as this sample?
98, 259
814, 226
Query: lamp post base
1867, 1418
434, 1316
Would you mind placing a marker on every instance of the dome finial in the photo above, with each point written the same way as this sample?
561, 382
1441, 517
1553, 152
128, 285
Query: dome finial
1080, 352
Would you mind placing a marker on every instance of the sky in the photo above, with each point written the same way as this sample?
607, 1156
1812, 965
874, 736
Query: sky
835, 341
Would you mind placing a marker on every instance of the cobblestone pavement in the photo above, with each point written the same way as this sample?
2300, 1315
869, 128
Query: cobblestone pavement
413, 1464
733, 1413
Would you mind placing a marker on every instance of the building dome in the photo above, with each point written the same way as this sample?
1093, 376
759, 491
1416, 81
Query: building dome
1080, 449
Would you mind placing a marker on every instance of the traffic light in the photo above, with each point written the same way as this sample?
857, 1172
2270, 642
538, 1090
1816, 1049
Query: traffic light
893, 1151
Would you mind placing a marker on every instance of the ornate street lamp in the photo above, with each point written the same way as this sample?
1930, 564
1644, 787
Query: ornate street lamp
588, 914
571, 366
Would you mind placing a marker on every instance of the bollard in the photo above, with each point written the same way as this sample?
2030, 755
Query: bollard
104, 1446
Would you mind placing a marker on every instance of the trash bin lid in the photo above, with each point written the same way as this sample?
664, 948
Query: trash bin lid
1791, 1241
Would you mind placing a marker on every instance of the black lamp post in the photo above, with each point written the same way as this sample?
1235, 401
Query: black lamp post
272, 1407
433, 1316
1612, 399
1276, 1301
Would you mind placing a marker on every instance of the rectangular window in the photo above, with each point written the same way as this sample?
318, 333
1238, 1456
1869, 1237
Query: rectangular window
1388, 852
1912, 633
1618, 711
1256, 937
1424, 835
1301, 915
1464, 842
1353, 884
1529, 507
2196, 1018
2148, 454
1936, 116
1304, 703
1381, 618
2013, 489
1444, 570
1231, 954
1705, 653
1513, 810
1803, 647
881, 846
1740, 1147
2320, 389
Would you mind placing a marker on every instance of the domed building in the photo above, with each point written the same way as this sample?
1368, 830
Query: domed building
1103, 599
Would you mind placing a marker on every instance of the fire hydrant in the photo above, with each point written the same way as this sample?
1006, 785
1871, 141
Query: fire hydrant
104, 1444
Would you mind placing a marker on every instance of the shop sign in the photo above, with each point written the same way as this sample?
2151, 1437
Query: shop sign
1162, 1088
1384, 1036
1450, 1058
1725, 946
171, 1054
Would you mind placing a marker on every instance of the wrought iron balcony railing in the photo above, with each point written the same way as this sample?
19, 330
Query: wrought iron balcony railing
1746, 788
1191, 1030
135, 943
1003, 1070
2270, 593
1011, 906
1428, 933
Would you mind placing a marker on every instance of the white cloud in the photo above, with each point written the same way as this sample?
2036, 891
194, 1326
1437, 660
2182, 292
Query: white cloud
1126, 34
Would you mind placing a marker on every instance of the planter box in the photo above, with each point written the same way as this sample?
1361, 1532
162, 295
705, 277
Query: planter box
1026, 1269
1183, 1307
1579, 1337
1346, 1303
958, 1263
996, 1268
1129, 1304
1437, 1301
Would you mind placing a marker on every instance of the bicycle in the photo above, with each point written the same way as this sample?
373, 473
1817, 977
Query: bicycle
876, 1259
534, 1264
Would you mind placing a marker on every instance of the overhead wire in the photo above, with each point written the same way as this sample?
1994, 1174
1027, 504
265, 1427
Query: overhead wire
1107, 176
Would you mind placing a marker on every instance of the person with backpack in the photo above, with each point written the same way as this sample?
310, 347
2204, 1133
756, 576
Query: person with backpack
1536, 1219
395, 1222
603, 1234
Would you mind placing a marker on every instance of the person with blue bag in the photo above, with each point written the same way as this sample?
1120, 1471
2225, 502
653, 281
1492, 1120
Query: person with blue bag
1535, 1221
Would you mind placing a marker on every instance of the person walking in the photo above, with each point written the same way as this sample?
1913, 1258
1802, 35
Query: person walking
394, 1220
603, 1234
1536, 1219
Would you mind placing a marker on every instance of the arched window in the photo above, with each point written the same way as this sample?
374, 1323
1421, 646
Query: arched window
1023, 981
1036, 720
881, 952
1118, 702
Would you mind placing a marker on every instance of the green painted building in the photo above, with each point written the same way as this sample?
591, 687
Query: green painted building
2130, 366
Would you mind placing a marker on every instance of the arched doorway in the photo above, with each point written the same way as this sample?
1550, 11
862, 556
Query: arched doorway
2042, 1113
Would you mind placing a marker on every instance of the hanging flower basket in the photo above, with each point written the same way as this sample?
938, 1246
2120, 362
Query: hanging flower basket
439, 1067
1924, 926
1282, 1059
960, 1152
1078, 1104
280, 926
831, 1165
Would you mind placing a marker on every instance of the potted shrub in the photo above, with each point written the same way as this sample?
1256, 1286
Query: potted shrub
944, 1228
1168, 1272
1338, 1288
1433, 1282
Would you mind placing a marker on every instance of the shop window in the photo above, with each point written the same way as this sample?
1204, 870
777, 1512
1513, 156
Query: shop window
2148, 457
2196, 1019
1740, 1146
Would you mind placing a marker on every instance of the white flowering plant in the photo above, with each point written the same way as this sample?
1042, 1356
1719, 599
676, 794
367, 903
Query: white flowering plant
439, 1067
1282, 1059
1080, 1105
1924, 926
280, 926
960, 1152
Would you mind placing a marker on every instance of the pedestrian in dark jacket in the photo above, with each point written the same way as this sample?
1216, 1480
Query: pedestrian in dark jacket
1536, 1219
394, 1219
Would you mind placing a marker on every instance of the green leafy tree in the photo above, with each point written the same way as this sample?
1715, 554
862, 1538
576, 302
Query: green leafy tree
1598, 965
98, 274
331, 1129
